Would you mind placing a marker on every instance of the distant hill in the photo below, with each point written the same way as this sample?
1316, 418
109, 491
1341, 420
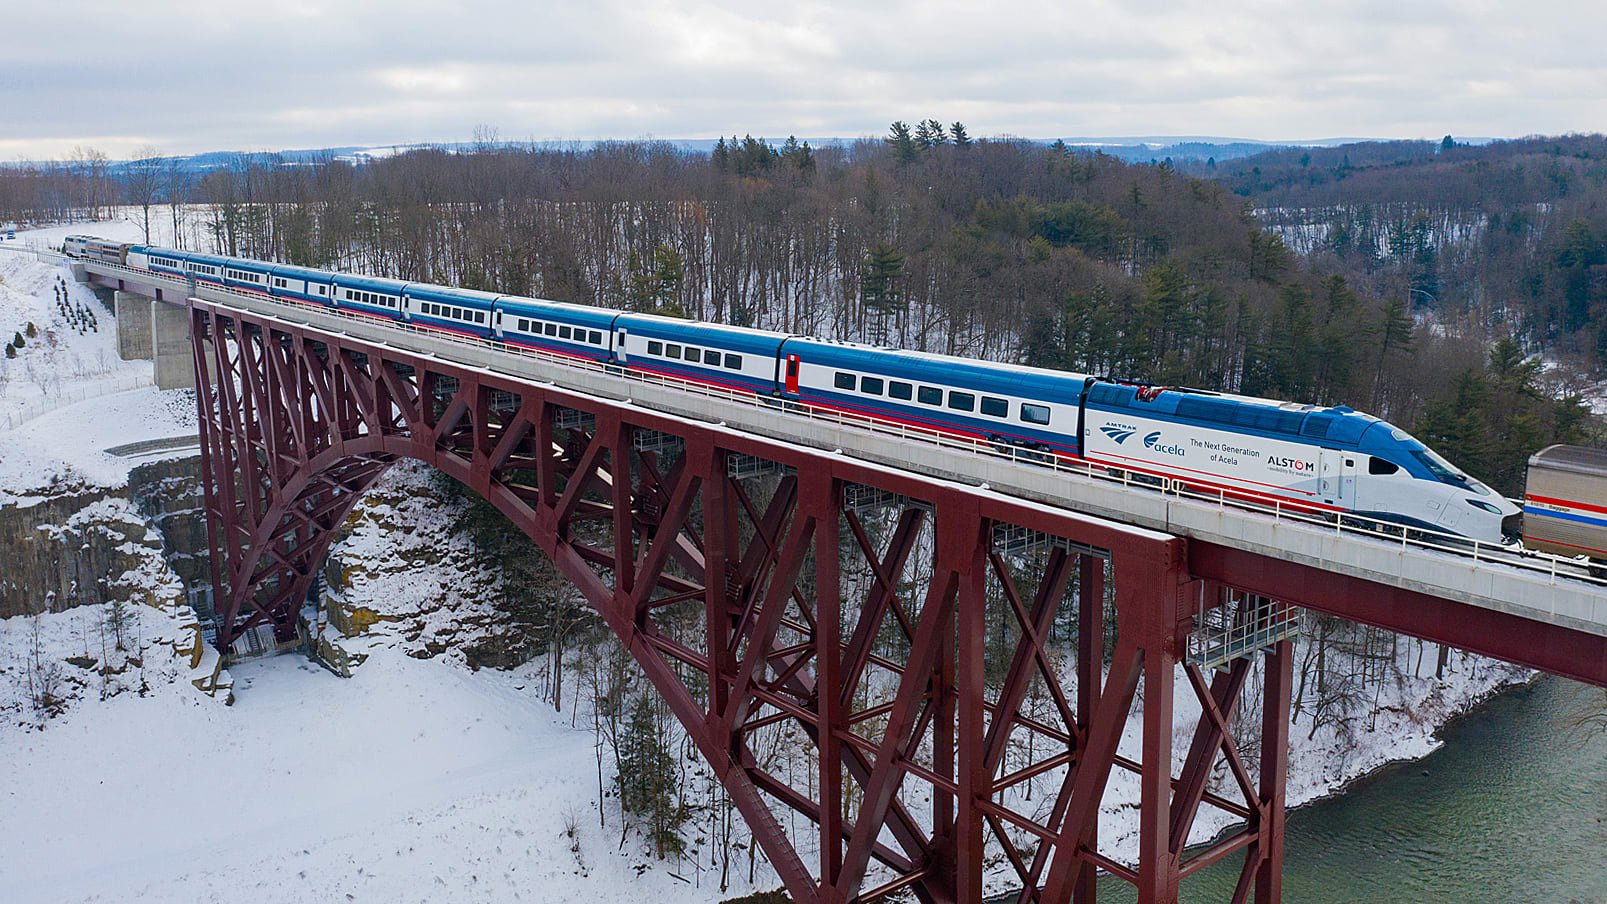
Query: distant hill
1183, 151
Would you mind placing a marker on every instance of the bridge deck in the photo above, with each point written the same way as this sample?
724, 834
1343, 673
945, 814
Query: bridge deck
1540, 589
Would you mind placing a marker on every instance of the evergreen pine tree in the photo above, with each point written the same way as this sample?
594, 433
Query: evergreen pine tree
878, 290
962, 138
905, 150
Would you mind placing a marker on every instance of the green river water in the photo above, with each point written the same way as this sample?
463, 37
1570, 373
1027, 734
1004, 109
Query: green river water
1512, 810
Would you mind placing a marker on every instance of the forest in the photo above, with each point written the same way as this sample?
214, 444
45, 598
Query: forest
1459, 291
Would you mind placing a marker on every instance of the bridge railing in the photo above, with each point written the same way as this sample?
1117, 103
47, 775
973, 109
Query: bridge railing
1359, 527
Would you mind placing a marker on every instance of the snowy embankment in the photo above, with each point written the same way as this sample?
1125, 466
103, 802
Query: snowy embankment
417, 779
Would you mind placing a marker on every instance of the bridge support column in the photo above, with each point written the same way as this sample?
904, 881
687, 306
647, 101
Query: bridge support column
170, 345
134, 321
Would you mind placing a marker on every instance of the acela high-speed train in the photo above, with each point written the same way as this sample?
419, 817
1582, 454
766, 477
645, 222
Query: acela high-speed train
1329, 460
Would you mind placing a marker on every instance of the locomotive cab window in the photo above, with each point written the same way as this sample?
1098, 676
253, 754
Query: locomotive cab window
1035, 414
843, 381
961, 401
900, 390
995, 407
1382, 466
929, 395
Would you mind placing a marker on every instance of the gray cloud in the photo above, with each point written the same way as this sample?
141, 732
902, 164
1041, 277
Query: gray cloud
300, 73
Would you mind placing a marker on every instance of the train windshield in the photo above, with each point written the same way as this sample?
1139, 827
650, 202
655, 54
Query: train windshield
1445, 473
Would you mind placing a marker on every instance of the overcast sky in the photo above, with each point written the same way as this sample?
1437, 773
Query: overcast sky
272, 74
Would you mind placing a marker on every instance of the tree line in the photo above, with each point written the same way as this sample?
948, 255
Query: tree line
932, 239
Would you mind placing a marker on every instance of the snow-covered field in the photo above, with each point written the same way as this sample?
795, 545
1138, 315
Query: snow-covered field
417, 779
413, 781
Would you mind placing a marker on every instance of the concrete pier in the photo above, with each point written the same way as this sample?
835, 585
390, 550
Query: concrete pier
170, 346
133, 314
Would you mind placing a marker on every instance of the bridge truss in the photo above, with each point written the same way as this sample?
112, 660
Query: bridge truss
898, 623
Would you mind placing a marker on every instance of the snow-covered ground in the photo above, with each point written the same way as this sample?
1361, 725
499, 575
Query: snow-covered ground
417, 779
67, 397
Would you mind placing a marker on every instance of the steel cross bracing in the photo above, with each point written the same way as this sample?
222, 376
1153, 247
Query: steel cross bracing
904, 634
1490, 602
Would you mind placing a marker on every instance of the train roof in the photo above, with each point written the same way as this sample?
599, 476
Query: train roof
574, 313
1339, 424
1578, 459
432, 292
377, 283
742, 339
301, 272
858, 352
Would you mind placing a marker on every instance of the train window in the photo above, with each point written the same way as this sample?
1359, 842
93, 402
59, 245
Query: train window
655, 347
843, 381
1382, 466
929, 395
733, 362
479, 317
1035, 414
870, 385
995, 407
712, 358
900, 390
694, 355
524, 325
596, 338
672, 351
961, 401
563, 332
550, 329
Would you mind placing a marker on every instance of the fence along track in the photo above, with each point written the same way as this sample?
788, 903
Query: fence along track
1351, 526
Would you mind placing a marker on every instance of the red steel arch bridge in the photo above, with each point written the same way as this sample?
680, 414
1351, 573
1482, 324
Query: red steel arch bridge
713, 533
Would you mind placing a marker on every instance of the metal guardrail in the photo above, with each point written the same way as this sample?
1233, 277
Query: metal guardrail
1350, 526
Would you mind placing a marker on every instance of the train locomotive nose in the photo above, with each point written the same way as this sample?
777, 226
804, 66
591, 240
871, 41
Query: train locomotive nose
1512, 526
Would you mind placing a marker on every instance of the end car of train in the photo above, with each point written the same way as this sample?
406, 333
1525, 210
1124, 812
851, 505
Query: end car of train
1335, 461
1565, 503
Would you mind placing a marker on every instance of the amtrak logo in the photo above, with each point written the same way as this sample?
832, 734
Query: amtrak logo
1118, 432
1152, 439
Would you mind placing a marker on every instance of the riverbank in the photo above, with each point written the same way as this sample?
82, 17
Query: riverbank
1512, 804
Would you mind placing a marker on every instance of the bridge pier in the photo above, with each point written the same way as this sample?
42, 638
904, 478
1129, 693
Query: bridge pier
133, 314
170, 346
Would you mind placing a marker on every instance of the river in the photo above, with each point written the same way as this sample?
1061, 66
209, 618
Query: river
1511, 810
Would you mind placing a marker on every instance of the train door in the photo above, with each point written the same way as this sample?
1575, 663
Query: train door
1338, 478
619, 343
792, 374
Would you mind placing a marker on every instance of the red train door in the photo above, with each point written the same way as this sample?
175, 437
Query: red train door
792, 373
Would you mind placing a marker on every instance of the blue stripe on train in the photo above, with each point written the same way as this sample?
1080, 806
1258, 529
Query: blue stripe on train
1565, 516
